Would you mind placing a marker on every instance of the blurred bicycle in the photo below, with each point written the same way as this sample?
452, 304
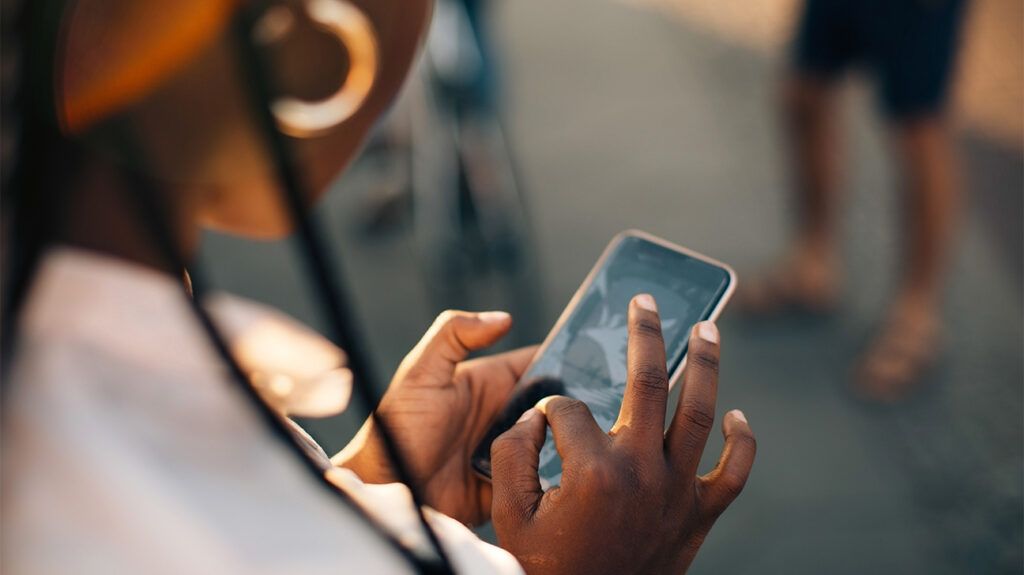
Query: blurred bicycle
441, 164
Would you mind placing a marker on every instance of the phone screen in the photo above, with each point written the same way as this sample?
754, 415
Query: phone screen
586, 358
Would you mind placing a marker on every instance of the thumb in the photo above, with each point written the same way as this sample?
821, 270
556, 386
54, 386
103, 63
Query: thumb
515, 455
453, 335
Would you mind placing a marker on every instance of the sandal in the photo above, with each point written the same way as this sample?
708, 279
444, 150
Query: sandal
897, 361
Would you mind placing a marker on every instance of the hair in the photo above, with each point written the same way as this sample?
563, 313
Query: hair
44, 161
38, 161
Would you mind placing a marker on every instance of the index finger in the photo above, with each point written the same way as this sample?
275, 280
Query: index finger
577, 436
643, 405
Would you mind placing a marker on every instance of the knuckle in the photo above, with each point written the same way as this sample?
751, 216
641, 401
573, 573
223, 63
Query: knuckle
649, 380
698, 416
507, 447
501, 444
732, 485
509, 440
746, 441
706, 359
646, 327
446, 330
592, 471
645, 478
415, 368
446, 317
569, 408
598, 477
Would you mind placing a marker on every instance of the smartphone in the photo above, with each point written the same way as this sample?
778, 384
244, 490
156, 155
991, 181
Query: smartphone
584, 356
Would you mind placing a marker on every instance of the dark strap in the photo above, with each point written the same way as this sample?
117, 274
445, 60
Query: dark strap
152, 213
326, 279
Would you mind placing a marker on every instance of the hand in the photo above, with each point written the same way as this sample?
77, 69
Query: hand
630, 500
438, 408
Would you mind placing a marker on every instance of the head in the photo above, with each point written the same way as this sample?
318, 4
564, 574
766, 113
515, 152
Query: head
155, 96
170, 73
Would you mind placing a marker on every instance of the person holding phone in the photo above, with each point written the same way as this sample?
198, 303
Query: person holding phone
147, 429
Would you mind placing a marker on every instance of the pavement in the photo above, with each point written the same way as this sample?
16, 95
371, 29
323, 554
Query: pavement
622, 118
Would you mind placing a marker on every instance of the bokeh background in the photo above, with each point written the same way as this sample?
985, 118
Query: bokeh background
602, 115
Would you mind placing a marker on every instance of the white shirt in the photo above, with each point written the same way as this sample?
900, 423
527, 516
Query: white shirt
126, 449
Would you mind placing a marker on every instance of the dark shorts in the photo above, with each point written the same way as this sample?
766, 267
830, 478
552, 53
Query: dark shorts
908, 46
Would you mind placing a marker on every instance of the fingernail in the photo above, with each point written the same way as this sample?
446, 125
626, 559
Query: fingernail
708, 331
527, 415
646, 302
739, 415
494, 316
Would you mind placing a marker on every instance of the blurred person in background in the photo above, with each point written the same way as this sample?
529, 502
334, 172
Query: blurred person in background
909, 48
135, 439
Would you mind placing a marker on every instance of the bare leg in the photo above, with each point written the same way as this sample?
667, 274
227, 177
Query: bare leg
812, 123
909, 339
932, 202
807, 277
